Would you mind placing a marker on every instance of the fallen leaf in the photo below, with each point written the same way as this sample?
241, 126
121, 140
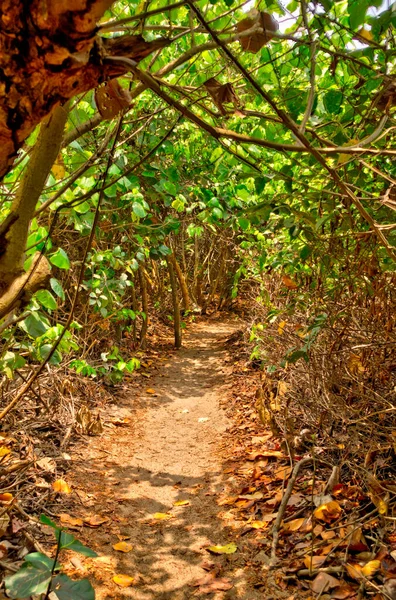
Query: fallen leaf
328, 512
181, 503
118, 422
123, 580
314, 562
6, 498
371, 568
95, 521
343, 592
210, 583
66, 519
293, 525
162, 516
4, 522
289, 283
255, 496
281, 327
264, 454
227, 549
328, 535
47, 464
150, 391
282, 473
323, 582
258, 524
354, 571
122, 547
61, 487
4, 451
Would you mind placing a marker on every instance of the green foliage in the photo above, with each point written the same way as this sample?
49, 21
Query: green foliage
39, 573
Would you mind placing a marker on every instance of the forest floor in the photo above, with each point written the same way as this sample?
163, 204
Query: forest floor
183, 490
171, 452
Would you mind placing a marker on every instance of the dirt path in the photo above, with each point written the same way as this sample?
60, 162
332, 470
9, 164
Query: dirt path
172, 454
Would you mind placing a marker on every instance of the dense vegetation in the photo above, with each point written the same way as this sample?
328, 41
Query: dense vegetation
245, 162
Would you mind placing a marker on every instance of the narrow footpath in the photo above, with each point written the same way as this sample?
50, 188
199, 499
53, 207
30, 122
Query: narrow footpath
169, 454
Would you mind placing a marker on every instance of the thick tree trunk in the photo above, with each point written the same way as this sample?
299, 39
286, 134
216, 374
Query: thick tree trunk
49, 52
16, 285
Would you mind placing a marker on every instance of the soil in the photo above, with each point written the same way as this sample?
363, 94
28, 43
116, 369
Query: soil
168, 452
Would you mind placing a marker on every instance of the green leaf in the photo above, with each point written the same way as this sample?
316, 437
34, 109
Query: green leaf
67, 589
69, 542
164, 250
332, 101
260, 183
295, 356
39, 559
46, 299
47, 521
60, 259
138, 210
243, 223
30, 579
34, 325
57, 288
305, 252
357, 12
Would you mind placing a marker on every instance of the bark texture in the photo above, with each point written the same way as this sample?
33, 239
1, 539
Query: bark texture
49, 52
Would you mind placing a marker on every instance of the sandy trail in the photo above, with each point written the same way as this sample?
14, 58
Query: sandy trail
171, 455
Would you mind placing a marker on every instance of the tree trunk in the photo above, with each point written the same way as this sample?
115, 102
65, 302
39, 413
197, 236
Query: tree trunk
16, 285
143, 291
175, 303
182, 283
50, 52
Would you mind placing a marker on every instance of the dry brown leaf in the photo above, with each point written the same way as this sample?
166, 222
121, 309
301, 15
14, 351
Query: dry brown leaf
354, 571
61, 487
294, 525
66, 519
221, 93
355, 364
263, 20
111, 98
123, 580
209, 583
4, 522
328, 535
282, 473
289, 283
343, 592
324, 582
95, 521
314, 562
122, 547
47, 464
